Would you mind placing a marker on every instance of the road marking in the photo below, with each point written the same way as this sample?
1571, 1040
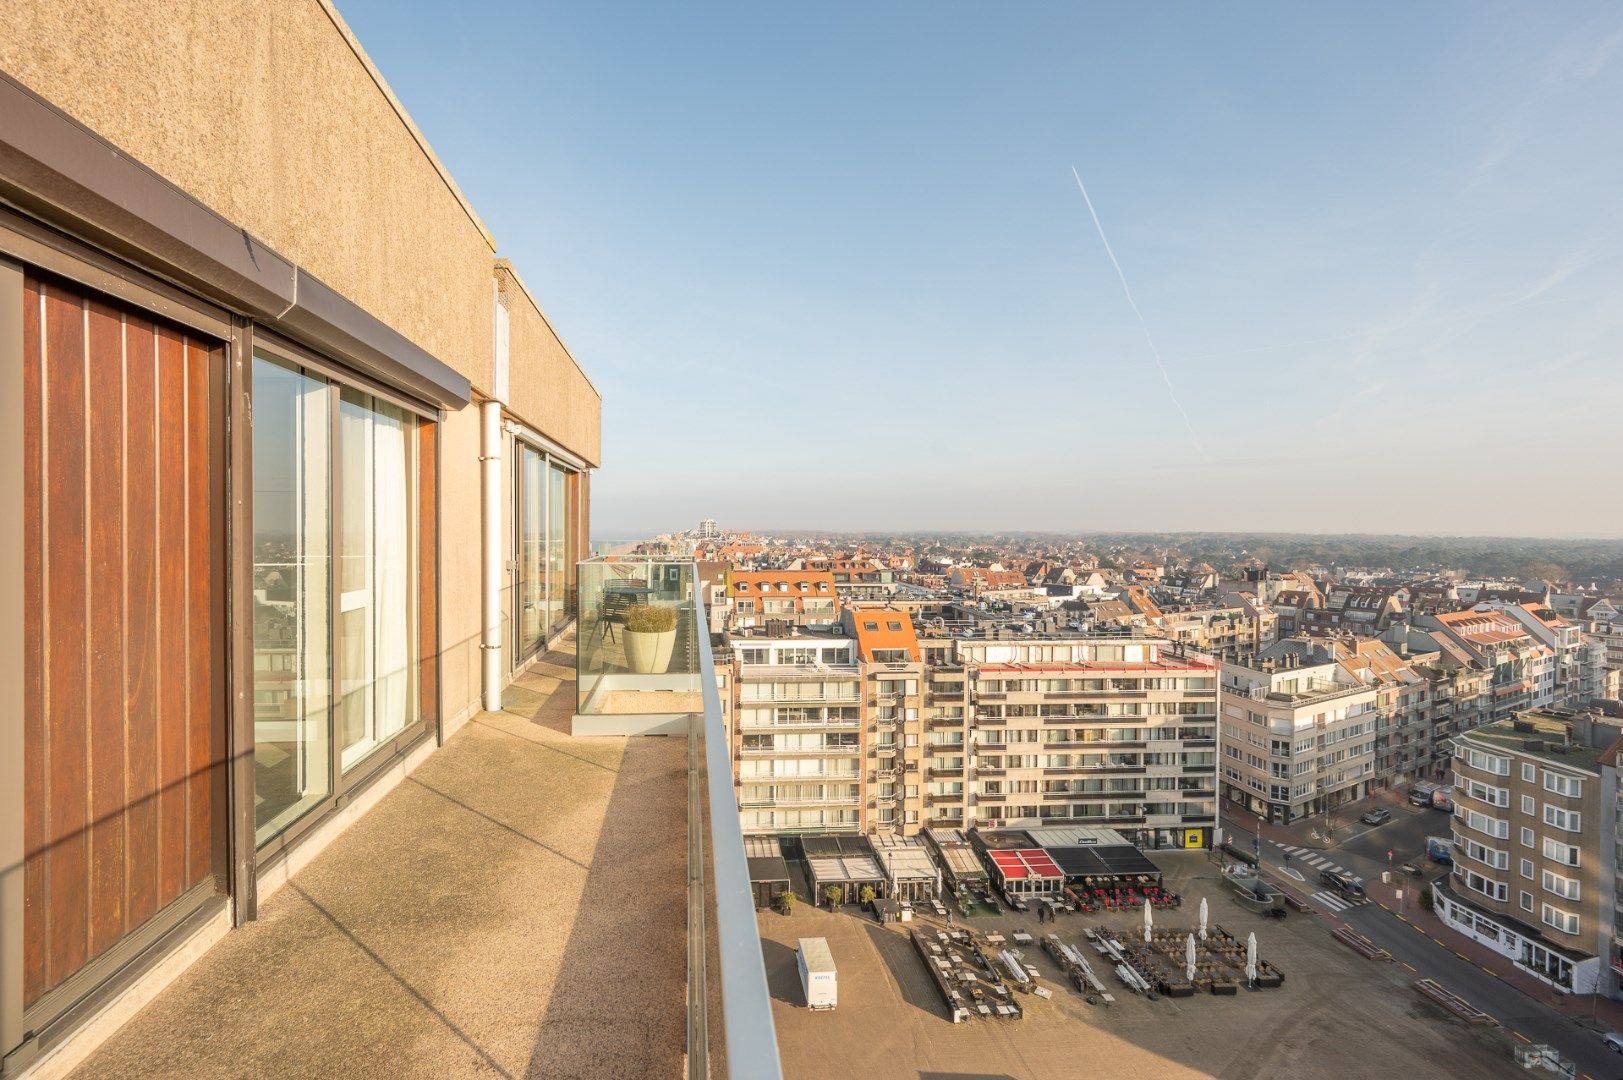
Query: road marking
1334, 903
1316, 861
1490, 971
1408, 965
1292, 872
1522, 1037
1462, 956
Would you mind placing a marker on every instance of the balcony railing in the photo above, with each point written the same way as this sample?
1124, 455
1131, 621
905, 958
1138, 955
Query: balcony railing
630, 683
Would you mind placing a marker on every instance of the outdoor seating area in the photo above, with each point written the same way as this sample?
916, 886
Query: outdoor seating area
1117, 897
838, 867
910, 873
1162, 963
969, 982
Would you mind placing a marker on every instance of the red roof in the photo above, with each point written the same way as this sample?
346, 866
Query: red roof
1018, 863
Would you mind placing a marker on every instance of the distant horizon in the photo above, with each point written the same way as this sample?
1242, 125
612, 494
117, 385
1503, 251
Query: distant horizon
629, 537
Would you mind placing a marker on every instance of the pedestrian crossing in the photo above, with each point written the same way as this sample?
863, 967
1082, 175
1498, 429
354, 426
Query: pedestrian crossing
1331, 901
1334, 902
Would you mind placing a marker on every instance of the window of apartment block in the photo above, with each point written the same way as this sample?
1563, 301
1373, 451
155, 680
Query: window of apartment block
1527, 838
1527, 869
1570, 786
1529, 805
1564, 887
1529, 772
1566, 820
544, 542
1556, 851
338, 557
1565, 921
1526, 901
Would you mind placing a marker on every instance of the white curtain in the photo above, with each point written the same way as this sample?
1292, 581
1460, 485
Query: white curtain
392, 576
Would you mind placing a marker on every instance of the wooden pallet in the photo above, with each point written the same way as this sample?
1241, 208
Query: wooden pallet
1455, 1004
1360, 944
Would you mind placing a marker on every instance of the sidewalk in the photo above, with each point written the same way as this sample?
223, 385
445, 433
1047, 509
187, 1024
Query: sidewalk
1608, 1014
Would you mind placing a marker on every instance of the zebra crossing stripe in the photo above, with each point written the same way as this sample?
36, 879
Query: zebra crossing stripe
1334, 903
1317, 861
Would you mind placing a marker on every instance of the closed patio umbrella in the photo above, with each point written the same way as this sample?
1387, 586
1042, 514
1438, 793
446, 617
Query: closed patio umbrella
1203, 918
1149, 922
1251, 958
1189, 958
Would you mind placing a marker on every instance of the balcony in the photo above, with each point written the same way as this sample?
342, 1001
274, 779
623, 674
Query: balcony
474, 920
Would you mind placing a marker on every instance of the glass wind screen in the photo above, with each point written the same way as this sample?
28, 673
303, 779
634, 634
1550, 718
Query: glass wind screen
531, 586
377, 602
292, 474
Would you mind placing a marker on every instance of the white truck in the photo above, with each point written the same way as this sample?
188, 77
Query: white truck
817, 978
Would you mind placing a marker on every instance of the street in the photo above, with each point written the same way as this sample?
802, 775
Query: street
1363, 850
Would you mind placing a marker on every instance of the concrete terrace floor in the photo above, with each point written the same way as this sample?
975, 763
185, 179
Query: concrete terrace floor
514, 908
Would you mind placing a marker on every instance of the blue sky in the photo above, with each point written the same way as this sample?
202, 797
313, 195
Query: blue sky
830, 267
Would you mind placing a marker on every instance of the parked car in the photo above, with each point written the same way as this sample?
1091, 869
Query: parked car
1613, 1041
1440, 849
1379, 816
1421, 794
1345, 884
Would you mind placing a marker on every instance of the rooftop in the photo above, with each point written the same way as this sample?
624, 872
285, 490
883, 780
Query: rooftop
1559, 742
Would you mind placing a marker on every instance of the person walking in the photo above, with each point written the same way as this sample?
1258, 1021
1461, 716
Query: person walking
949, 920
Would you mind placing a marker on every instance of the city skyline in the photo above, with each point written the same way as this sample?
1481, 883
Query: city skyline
1355, 238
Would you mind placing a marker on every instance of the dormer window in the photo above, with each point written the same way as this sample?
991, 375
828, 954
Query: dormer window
783, 586
742, 586
765, 587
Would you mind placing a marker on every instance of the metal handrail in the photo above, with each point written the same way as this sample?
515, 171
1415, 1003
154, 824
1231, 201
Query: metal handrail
746, 1004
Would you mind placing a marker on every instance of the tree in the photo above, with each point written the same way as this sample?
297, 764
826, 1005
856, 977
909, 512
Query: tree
786, 901
833, 894
867, 894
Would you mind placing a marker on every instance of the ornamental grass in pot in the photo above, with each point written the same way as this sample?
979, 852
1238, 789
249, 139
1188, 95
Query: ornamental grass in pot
650, 637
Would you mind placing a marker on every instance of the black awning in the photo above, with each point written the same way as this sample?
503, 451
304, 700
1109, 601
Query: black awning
1115, 861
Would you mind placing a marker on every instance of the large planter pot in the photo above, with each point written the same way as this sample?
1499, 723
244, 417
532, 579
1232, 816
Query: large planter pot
649, 654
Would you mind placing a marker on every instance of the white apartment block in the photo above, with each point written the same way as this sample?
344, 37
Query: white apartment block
1298, 735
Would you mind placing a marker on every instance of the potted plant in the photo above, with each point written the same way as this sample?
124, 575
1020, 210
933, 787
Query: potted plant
867, 895
786, 902
833, 894
650, 633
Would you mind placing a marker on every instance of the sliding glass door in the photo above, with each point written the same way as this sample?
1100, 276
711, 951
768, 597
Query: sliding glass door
530, 585
545, 503
558, 561
336, 579
377, 602
292, 571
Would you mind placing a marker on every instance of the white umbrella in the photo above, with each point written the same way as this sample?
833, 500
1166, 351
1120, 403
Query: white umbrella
1251, 958
1189, 958
1203, 918
1149, 922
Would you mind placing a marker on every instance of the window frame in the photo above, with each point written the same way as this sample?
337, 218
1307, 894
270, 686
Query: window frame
257, 342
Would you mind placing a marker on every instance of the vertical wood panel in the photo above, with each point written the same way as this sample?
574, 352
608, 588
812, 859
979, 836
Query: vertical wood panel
67, 865
124, 738
106, 604
172, 670
35, 913
141, 591
201, 708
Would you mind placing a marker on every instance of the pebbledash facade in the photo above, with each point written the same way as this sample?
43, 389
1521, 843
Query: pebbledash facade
293, 478
863, 726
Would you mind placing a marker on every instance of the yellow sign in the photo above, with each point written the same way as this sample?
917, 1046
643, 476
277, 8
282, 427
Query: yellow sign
1194, 838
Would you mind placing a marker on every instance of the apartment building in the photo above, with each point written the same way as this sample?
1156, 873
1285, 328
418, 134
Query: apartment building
1232, 633
295, 476
1403, 741
1074, 731
795, 597
1535, 845
1298, 733
1523, 669
800, 738
888, 652
1562, 681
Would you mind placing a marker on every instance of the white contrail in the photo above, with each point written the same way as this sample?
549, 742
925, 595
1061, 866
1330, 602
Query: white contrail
1159, 365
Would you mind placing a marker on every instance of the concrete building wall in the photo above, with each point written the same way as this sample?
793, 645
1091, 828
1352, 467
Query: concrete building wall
271, 115
547, 389
461, 537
